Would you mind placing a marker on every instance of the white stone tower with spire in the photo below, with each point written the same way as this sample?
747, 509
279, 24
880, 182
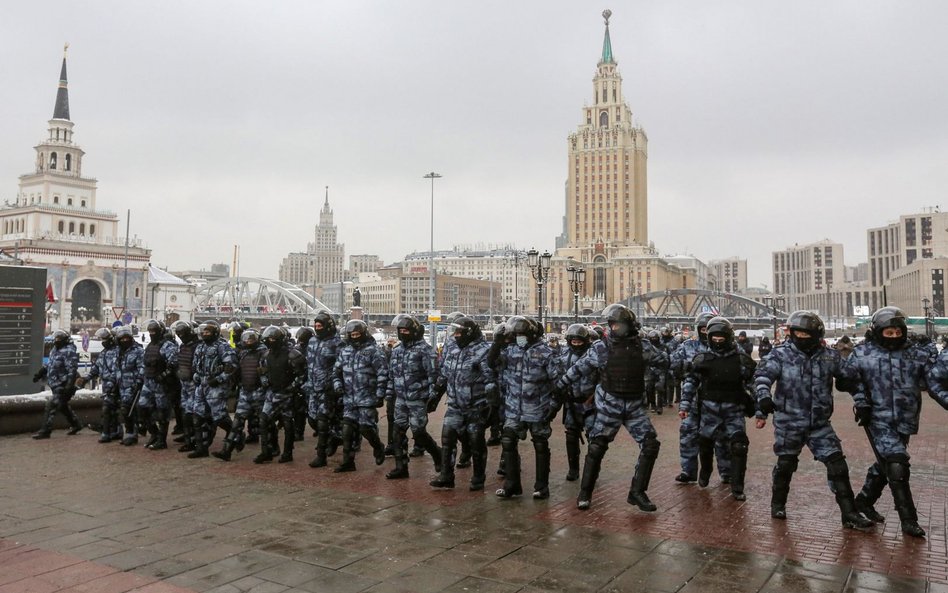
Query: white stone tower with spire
55, 223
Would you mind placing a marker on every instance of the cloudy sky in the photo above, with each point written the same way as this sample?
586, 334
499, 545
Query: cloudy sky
220, 123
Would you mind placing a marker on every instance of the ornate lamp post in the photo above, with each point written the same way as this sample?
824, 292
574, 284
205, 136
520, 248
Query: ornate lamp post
540, 269
577, 280
431, 269
928, 321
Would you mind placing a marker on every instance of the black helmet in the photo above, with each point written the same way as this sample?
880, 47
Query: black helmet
328, 329
124, 337
209, 330
249, 338
666, 332
273, 336
452, 317
621, 316
356, 325
500, 331
701, 322
808, 322
237, 328
465, 330
578, 331
304, 335
520, 325
105, 335
885, 318
653, 336
183, 329
599, 331
60, 337
155, 329
414, 330
720, 326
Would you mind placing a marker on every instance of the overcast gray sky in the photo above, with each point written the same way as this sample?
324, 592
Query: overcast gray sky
219, 123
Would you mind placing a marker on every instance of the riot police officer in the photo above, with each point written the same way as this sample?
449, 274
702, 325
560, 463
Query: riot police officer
161, 367
622, 359
184, 330
802, 405
321, 354
215, 363
130, 375
282, 373
578, 410
251, 392
103, 369
60, 373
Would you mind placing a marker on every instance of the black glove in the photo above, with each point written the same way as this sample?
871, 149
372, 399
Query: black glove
493, 397
432, 404
551, 413
863, 415
213, 381
39, 375
766, 405
380, 402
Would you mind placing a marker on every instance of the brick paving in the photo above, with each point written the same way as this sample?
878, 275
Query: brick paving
79, 516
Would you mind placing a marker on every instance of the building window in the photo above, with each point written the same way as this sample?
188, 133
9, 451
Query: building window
83, 203
92, 230
52, 160
68, 162
69, 202
82, 228
72, 228
62, 227
603, 119
55, 199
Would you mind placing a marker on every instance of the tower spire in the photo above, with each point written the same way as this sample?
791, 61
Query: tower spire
606, 42
326, 203
61, 110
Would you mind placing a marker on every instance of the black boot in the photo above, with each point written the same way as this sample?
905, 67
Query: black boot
588, 483
541, 486
512, 485
266, 440
289, 437
161, 418
401, 456
226, 450
74, 424
188, 441
739, 444
898, 474
378, 449
479, 460
106, 435
837, 474
179, 421
348, 461
705, 461
449, 443
322, 439
782, 474
200, 443
643, 475
572, 455
464, 459
870, 493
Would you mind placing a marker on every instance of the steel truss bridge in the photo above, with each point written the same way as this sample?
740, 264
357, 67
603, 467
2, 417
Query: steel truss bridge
256, 300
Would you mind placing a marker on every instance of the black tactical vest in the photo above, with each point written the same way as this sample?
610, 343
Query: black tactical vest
624, 375
186, 360
721, 379
279, 370
154, 363
249, 368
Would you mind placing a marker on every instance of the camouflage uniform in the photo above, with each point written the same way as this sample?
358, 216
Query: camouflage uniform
411, 384
250, 398
361, 375
464, 459
215, 363
467, 378
530, 375
154, 405
104, 369
723, 380
688, 430
618, 403
889, 383
186, 376
321, 354
61, 373
130, 375
283, 371
578, 410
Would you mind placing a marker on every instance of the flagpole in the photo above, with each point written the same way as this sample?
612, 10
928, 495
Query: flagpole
128, 217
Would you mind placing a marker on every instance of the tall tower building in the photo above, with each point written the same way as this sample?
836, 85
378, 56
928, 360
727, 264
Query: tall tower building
55, 223
607, 206
607, 194
322, 262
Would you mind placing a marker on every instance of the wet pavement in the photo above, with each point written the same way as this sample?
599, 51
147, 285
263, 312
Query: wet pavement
79, 516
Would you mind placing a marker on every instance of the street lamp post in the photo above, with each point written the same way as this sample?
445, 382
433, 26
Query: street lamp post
928, 327
540, 269
516, 257
772, 301
431, 282
577, 280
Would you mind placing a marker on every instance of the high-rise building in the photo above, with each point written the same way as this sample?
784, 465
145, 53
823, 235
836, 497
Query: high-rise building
607, 205
322, 262
807, 274
363, 263
55, 223
914, 236
730, 274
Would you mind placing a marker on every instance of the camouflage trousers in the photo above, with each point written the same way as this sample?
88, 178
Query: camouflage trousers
613, 413
411, 413
790, 437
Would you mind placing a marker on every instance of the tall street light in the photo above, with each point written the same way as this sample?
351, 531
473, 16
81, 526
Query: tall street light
540, 269
928, 328
431, 284
577, 280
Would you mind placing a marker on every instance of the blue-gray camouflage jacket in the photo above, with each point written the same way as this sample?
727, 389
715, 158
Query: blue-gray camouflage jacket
130, 369
803, 397
104, 369
214, 362
411, 371
582, 389
891, 382
528, 386
597, 357
63, 367
361, 372
321, 357
680, 359
467, 375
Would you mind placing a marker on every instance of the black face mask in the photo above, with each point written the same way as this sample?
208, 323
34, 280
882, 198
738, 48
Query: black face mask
208, 338
125, 344
892, 343
404, 338
655, 342
807, 345
581, 349
154, 337
703, 338
720, 347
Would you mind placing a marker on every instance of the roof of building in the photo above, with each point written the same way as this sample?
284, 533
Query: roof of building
159, 276
61, 110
